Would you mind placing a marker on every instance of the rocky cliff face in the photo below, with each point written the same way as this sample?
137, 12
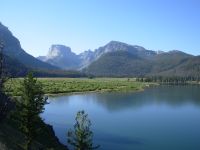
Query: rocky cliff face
115, 46
86, 58
121, 59
60, 51
61, 56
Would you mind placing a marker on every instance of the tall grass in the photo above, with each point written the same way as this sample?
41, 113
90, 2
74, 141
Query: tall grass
69, 85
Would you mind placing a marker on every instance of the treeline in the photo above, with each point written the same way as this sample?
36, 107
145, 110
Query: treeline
169, 80
58, 73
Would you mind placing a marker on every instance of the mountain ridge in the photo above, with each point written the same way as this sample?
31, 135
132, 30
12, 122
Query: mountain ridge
113, 59
13, 49
86, 58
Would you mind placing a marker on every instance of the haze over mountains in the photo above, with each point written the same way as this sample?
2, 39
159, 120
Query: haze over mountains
113, 59
62, 57
121, 59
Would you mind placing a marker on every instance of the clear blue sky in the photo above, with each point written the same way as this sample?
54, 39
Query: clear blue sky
88, 24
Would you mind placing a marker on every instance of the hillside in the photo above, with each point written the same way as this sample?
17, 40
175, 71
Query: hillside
173, 63
167, 61
17, 62
120, 63
120, 59
14, 68
189, 67
12, 48
62, 56
11, 138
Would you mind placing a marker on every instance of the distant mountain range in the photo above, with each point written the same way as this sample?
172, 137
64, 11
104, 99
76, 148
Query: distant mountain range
62, 56
121, 59
114, 59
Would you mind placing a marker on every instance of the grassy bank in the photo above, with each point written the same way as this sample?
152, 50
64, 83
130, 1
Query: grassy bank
71, 85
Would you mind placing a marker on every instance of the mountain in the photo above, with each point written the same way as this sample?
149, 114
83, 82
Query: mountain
17, 63
62, 57
121, 59
12, 49
13, 67
86, 58
118, 64
115, 46
188, 67
168, 60
113, 59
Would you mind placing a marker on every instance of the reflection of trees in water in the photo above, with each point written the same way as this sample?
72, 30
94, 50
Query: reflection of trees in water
173, 96
169, 95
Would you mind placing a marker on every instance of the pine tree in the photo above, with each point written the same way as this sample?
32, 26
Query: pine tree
30, 106
81, 137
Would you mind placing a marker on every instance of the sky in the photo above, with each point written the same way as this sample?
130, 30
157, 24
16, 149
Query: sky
88, 24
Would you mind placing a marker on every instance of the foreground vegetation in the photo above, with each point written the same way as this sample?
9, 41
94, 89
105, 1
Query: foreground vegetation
69, 85
21, 127
81, 138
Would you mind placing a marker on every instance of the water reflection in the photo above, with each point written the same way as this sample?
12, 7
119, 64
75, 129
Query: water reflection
170, 95
162, 117
112, 138
173, 96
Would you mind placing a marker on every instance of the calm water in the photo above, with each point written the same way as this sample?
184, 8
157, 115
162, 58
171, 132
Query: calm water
160, 118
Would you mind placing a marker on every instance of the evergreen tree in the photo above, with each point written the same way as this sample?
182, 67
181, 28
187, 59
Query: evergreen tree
81, 137
30, 106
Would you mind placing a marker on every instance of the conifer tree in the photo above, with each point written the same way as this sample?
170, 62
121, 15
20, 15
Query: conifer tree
30, 106
81, 137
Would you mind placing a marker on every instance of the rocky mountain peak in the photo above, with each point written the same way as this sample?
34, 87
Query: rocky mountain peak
61, 56
115, 46
58, 51
120, 46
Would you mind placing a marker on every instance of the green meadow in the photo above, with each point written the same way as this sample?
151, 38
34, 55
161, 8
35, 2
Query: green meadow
73, 85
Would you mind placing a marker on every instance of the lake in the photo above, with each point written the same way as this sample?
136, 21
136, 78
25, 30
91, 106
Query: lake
159, 118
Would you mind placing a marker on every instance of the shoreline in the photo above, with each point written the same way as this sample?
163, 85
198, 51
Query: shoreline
102, 91
117, 91
66, 86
